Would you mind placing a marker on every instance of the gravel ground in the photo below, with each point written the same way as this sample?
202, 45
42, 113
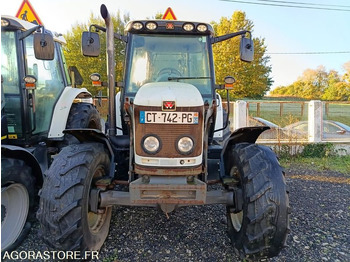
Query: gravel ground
320, 227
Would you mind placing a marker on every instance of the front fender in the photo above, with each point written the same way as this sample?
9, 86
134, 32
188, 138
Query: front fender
245, 135
94, 135
62, 108
241, 135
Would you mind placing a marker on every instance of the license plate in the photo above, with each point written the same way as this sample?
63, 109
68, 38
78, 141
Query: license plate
159, 117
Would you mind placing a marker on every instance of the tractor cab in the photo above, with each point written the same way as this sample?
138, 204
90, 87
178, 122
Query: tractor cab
32, 79
169, 51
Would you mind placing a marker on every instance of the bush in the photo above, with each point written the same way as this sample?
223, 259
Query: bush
318, 150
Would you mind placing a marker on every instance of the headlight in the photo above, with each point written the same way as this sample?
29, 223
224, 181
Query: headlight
30, 79
4, 22
95, 77
137, 25
202, 28
185, 145
188, 27
151, 144
151, 26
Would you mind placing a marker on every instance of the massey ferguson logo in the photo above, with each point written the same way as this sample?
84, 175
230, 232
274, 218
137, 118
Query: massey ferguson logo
169, 105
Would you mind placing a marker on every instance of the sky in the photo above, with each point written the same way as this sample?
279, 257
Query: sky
285, 30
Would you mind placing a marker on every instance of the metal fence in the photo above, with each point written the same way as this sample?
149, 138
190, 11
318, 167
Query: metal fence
295, 121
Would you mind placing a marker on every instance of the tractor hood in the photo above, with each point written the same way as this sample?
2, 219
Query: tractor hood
154, 94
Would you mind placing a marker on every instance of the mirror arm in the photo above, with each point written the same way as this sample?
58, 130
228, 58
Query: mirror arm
29, 32
98, 27
103, 29
121, 37
218, 39
219, 86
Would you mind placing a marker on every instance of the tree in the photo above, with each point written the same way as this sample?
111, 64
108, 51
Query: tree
89, 65
252, 79
319, 84
346, 76
339, 91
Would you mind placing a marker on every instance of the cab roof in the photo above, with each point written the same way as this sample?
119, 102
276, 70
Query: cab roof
19, 24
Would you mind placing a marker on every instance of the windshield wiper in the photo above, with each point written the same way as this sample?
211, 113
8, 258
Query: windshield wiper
187, 77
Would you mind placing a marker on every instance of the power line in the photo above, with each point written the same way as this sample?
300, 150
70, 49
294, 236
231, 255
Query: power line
287, 5
302, 3
298, 53
308, 53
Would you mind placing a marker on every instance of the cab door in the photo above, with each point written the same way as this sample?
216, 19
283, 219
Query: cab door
11, 84
49, 86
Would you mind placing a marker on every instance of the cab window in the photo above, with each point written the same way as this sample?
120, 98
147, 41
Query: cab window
9, 64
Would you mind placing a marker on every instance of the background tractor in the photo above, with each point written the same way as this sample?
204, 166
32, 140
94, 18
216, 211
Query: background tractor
160, 141
38, 101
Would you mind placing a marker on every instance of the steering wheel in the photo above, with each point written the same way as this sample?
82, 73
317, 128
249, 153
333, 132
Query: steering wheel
166, 72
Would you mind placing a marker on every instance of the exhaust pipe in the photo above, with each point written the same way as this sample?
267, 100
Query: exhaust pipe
110, 69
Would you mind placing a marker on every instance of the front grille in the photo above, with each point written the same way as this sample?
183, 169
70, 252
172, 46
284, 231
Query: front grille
169, 133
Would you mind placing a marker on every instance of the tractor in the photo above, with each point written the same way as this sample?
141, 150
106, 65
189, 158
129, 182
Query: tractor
160, 142
39, 100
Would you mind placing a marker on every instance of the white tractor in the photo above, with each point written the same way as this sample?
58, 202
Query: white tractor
38, 101
160, 141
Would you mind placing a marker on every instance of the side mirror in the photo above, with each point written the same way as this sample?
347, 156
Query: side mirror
44, 47
90, 44
247, 49
75, 76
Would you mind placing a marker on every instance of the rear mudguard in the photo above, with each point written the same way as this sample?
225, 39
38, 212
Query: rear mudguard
241, 135
16, 152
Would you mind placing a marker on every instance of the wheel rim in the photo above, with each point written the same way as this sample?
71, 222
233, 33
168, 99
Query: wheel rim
14, 212
96, 220
236, 220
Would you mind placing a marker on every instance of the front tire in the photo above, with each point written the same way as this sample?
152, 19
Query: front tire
258, 224
66, 221
17, 201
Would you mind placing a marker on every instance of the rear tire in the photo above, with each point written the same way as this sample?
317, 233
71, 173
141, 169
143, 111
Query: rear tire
17, 200
66, 222
258, 227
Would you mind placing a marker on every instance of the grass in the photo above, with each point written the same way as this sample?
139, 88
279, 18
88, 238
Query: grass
334, 163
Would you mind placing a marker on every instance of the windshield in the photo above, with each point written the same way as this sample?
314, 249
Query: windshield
159, 58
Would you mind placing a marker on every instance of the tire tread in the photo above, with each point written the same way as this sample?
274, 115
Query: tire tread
266, 223
61, 197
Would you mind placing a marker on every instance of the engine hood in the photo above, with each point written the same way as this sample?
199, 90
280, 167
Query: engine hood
153, 94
